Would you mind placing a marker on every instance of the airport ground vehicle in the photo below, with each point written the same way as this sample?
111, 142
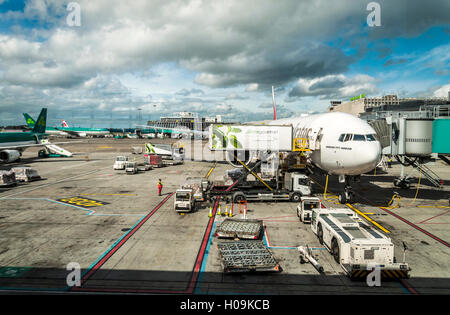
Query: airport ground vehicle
305, 207
120, 162
356, 246
189, 194
184, 200
293, 187
168, 151
131, 167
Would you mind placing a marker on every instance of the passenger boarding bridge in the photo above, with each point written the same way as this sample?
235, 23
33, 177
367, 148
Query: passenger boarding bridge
413, 137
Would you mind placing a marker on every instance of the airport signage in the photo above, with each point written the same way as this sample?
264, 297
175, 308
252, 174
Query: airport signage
250, 137
358, 97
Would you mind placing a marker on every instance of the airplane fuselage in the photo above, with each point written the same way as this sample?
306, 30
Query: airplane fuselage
340, 143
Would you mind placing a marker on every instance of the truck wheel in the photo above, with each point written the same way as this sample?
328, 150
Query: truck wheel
238, 198
335, 250
295, 197
320, 234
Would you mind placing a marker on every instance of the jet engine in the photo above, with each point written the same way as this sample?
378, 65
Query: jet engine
7, 156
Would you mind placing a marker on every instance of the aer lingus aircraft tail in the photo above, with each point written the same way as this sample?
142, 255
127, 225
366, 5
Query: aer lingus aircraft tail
39, 126
29, 120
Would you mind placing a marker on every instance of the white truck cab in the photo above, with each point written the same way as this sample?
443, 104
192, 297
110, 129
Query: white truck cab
120, 162
306, 206
298, 184
355, 245
184, 200
131, 167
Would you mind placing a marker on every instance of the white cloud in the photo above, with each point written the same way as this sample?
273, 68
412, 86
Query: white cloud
252, 87
334, 86
442, 91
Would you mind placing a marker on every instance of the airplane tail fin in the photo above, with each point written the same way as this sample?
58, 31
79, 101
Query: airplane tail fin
41, 122
274, 108
64, 124
30, 121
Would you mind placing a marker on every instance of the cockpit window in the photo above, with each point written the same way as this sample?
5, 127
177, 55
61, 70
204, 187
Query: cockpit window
371, 137
348, 137
341, 137
359, 138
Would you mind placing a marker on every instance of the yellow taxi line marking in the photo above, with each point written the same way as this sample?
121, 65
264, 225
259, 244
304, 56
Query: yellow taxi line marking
367, 218
210, 171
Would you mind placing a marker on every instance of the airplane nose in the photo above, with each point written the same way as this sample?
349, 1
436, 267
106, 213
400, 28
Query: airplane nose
369, 155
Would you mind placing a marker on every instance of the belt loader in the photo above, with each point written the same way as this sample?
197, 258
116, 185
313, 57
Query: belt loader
356, 246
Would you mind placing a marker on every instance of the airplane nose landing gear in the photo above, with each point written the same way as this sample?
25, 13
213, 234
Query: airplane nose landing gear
347, 196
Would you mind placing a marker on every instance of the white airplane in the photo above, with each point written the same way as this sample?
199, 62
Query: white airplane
341, 144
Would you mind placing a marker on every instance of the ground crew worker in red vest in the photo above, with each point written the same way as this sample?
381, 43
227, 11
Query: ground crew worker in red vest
160, 186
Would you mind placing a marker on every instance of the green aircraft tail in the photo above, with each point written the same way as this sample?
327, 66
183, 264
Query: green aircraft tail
30, 121
41, 122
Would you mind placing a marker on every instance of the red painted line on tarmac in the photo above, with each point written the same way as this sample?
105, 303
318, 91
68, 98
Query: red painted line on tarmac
408, 286
113, 250
195, 273
433, 217
434, 223
201, 252
267, 236
417, 228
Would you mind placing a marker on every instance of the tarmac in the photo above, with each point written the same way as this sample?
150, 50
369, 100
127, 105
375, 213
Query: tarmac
127, 239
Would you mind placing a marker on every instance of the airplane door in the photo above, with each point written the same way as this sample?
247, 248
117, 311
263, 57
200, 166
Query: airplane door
314, 138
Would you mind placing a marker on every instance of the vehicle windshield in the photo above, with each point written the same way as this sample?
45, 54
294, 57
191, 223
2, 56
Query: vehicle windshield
121, 158
182, 196
359, 138
372, 137
311, 205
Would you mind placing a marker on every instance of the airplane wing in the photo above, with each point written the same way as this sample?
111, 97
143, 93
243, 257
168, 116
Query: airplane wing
18, 147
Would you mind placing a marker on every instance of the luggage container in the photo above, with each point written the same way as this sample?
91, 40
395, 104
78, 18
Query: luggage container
7, 179
25, 174
247, 256
242, 229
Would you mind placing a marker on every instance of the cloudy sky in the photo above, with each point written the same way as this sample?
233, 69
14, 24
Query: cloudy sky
213, 57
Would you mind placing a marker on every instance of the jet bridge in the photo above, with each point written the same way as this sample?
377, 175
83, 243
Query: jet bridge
411, 138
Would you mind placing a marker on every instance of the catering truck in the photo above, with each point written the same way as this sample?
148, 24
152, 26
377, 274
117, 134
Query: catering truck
292, 188
355, 245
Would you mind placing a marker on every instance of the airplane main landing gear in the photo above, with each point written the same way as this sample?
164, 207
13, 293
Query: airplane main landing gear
402, 183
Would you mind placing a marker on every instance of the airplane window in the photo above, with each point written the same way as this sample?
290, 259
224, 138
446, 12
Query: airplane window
341, 137
348, 137
371, 138
359, 138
